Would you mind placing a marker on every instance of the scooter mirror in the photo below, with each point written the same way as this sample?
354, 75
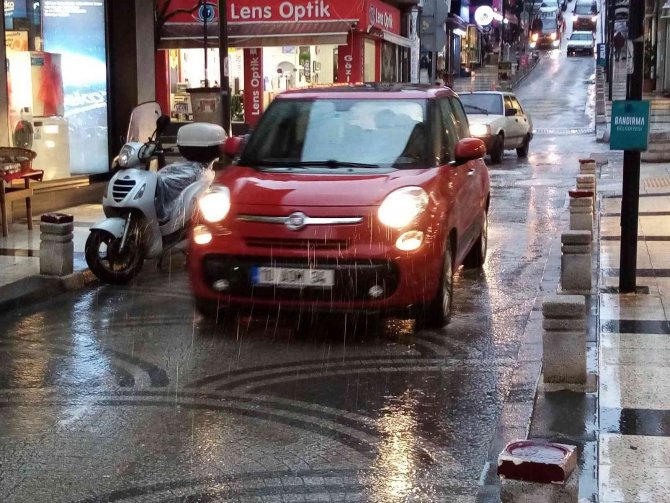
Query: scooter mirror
161, 124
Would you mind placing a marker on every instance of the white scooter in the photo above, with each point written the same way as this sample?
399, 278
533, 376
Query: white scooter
149, 211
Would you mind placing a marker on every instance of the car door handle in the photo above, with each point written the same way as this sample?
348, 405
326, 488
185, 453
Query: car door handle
471, 171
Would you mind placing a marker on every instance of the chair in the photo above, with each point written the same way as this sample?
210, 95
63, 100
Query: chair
12, 158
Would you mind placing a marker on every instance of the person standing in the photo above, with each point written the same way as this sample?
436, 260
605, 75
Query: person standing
619, 42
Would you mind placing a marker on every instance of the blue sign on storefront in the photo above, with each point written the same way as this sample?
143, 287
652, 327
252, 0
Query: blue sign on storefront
630, 125
602, 55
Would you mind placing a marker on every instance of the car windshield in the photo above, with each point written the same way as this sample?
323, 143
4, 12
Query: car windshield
583, 9
332, 133
548, 25
482, 103
581, 36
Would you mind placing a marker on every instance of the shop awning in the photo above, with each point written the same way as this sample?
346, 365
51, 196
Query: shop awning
259, 34
393, 38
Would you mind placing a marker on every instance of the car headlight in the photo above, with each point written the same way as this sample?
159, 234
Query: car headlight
553, 36
126, 155
480, 130
534, 37
594, 18
402, 206
533, 44
215, 204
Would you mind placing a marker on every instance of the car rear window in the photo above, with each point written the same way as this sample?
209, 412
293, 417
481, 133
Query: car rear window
581, 36
385, 133
482, 103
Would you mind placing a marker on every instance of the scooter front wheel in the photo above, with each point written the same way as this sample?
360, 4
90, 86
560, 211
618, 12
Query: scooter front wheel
107, 262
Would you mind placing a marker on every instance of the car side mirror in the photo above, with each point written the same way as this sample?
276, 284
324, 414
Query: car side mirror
233, 145
469, 149
510, 112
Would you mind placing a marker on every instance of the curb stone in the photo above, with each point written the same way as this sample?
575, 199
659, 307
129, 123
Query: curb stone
33, 289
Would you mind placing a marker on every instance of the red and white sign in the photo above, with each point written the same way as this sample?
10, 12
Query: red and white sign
253, 85
383, 16
350, 60
369, 13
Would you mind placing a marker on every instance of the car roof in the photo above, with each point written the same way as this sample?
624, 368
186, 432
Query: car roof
582, 32
501, 93
369, 91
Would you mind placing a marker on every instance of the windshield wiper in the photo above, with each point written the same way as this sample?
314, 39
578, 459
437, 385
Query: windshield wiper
331, 164
479, 109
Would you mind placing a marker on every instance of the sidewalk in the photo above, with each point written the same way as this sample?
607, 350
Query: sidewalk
634, 349
19, 254
659, 138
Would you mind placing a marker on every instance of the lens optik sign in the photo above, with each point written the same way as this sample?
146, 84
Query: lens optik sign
630, 125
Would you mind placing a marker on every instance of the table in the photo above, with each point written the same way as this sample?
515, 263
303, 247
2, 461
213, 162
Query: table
9, 192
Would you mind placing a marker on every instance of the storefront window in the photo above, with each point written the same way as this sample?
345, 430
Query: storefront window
370, 61
57, 83
283, 68
389, 62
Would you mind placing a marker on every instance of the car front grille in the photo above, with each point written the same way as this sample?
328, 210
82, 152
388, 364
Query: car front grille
353, 279
297, 244
121, 189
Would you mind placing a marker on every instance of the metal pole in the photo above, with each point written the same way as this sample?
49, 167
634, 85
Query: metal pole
610, 53
203, 6
631, 161
223, 65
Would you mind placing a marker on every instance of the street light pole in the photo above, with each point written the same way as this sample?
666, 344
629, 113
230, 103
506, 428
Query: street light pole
223, 66
631, 161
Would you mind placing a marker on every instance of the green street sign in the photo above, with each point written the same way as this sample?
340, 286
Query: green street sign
630, 125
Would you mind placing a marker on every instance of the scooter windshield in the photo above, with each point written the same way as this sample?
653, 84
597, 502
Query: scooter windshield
143, 122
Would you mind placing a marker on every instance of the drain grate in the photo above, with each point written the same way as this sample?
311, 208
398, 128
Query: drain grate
564, 131
658, 182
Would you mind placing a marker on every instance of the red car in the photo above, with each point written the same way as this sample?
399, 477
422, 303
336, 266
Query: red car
351, 198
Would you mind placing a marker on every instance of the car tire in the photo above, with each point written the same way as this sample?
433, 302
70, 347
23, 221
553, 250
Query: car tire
477, 254
498, 149
437, 313
522, 151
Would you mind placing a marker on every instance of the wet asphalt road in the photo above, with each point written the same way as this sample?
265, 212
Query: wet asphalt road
126, 394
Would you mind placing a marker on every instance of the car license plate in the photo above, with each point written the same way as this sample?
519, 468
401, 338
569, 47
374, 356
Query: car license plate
293, 277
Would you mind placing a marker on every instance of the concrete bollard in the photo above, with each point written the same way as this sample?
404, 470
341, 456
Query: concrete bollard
564, 339
576, 261
587, 167
581, 211
587, 183
56, 247
536, 471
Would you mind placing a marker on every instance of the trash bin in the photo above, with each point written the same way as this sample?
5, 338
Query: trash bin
206, 104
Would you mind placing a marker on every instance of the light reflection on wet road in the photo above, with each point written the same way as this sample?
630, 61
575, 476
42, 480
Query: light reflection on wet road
126, 394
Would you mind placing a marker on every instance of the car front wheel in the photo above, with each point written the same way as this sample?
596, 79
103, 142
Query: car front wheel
522, 151
498, 149
437, 313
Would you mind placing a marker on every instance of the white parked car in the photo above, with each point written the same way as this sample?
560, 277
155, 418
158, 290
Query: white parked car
499, 119
582, 42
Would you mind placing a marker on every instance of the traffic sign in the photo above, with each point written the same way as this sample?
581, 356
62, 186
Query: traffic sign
630, 125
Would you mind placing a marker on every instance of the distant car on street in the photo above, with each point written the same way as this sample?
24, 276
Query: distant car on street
545, 30
500, 121
581, 42
585, 17
357, 198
